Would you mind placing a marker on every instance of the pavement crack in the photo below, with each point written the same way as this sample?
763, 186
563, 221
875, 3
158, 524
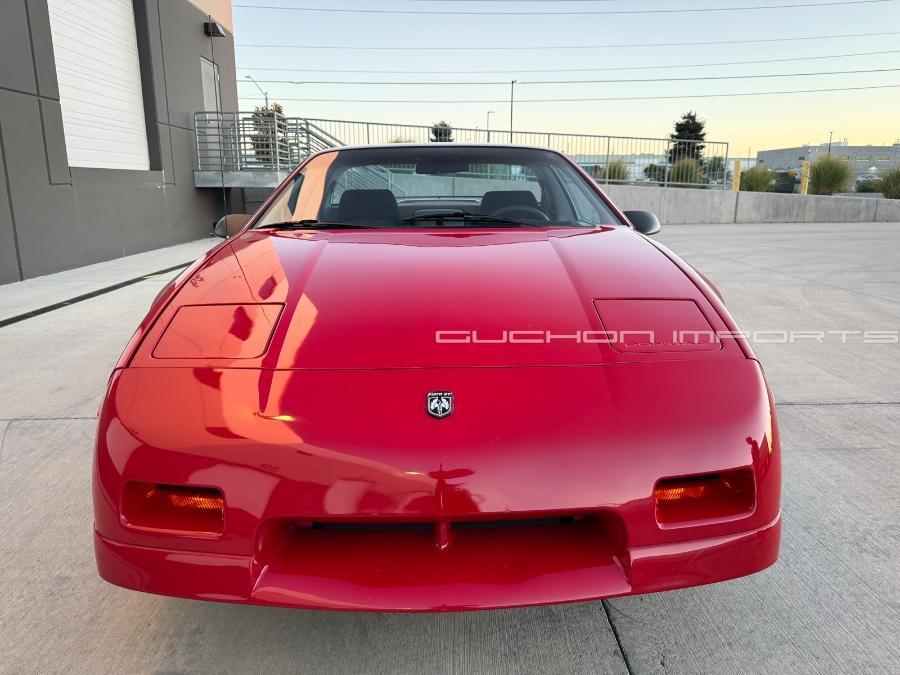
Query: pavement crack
615, 632
3, 439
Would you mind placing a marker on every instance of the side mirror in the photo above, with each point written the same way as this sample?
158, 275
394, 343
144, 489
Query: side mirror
230, 225
643, 221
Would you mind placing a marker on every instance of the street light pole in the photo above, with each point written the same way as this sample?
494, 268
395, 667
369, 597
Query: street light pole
512, 95
264, 93
830, 134
488, 127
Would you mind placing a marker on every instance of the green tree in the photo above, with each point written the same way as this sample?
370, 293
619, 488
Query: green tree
441, 132
688, 137
269, 133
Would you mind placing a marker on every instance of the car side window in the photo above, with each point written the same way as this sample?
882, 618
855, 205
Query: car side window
586, 209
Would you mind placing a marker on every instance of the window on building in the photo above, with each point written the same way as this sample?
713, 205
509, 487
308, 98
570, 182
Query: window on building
99, 76
802, 157
883, 158
863, 158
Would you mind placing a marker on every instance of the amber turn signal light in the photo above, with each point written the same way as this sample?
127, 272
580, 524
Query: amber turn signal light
704, 497
173, 508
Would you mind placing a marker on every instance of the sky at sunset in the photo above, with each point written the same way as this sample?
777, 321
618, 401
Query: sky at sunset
583, 47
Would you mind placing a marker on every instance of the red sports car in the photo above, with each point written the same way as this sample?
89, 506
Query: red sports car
436, 377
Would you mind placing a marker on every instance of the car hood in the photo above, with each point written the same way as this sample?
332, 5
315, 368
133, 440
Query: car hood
401, 299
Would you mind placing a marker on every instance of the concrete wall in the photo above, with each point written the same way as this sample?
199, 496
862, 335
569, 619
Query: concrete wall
55, 217
684, 205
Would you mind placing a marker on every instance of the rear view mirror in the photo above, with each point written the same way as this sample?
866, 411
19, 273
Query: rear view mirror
230, 225
643, 221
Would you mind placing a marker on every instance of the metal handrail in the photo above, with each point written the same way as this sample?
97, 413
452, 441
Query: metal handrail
246, 141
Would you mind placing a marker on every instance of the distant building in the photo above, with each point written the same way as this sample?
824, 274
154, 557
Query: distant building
865, 160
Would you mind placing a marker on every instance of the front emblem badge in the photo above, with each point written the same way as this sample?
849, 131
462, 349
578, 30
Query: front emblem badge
439, 403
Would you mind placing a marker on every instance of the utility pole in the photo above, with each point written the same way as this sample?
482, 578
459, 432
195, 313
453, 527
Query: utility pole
512, 102
488, 127
830, 134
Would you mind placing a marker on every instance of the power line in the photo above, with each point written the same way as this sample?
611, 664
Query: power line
554, 47
566, 70
592, 12
601, 81
579, 100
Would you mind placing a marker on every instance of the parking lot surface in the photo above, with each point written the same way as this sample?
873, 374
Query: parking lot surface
831, 603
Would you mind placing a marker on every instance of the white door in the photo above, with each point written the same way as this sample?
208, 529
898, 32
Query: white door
209, 72
97, 67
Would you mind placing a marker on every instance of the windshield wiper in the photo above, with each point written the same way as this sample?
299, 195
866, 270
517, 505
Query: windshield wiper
313, 224
468, 217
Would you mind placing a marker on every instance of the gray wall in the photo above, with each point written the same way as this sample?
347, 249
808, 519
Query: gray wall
685, 205
55, 217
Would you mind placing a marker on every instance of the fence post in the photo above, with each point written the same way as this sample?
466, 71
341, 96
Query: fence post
736, 180
237, 152
308, 140
725, 169
608, 141
666, 165
804, 178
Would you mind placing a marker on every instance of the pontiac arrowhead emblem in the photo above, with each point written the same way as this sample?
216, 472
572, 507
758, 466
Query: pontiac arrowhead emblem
439, 403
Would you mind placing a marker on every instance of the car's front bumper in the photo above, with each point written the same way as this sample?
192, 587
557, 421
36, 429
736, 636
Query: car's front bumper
431, 580
541, 483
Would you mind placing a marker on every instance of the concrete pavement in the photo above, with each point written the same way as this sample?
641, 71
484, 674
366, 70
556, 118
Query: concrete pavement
831, 604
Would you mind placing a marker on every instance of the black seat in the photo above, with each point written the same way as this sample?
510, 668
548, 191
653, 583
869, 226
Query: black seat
368, 206
499, 199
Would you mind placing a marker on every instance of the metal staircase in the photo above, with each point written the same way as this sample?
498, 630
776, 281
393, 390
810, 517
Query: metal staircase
253, 149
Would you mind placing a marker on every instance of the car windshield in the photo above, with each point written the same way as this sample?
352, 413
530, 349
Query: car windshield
437, 186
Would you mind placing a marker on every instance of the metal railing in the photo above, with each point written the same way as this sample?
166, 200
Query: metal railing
269, 141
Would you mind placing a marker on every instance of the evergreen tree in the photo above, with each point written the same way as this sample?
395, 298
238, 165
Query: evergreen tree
689, 128
441, 132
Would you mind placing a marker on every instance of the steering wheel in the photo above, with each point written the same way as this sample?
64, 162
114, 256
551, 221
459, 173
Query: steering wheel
521, 212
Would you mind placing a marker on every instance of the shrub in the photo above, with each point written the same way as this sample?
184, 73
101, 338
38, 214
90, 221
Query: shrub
757, 179
890, 184
655, 172
616, 170
686, 171
828, 175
